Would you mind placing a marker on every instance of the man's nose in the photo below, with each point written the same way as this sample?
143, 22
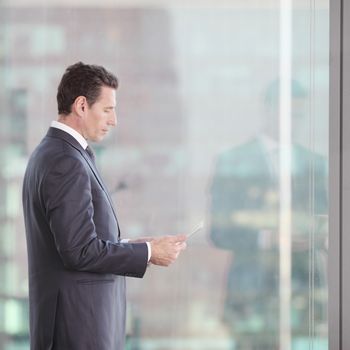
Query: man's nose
113, 120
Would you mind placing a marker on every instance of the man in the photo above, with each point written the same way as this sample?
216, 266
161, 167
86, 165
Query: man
77, 260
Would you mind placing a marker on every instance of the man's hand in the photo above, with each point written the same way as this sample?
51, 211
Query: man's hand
166, 249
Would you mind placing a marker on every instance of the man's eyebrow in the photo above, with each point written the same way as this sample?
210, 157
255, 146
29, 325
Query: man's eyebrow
111, 107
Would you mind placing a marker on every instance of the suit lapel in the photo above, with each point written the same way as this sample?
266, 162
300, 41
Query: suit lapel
54, 132
98, 178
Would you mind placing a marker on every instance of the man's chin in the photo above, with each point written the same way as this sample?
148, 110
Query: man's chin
98, 138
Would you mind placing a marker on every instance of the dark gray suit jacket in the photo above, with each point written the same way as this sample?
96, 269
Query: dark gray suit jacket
77, 266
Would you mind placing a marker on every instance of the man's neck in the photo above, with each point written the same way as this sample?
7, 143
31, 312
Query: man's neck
69, 121
67, 127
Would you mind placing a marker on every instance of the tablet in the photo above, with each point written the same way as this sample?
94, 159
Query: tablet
196, 229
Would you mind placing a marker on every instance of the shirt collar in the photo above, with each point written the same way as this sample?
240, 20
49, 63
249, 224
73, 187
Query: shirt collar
58, 125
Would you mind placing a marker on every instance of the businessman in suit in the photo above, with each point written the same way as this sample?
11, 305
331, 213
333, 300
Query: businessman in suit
77, 259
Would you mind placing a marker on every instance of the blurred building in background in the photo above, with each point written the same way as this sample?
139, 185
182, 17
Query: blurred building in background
194, 79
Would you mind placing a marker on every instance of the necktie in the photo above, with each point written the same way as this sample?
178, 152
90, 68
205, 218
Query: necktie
91, 154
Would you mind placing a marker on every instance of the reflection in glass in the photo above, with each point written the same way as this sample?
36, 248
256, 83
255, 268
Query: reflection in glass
245, 214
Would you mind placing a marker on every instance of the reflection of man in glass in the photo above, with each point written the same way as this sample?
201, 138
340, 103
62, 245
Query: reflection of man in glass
245, 209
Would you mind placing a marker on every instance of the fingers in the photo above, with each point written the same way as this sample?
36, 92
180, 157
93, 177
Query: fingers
181, 245
178, 238
165, 250
181, 238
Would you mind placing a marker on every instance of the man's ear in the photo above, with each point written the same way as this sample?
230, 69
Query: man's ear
80, 106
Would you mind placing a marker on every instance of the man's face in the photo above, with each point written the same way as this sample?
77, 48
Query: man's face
101, 116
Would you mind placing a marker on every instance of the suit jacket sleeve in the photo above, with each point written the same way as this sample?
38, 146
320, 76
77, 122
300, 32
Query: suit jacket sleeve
66, 196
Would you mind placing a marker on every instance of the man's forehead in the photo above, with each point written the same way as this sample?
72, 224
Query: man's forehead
107, 95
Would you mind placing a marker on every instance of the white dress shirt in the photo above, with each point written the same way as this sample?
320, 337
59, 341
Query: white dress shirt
58, 125
83, 143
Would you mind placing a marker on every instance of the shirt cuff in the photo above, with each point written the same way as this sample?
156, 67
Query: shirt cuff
149, 251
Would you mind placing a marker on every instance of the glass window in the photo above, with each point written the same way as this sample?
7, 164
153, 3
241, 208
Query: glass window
222, 119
